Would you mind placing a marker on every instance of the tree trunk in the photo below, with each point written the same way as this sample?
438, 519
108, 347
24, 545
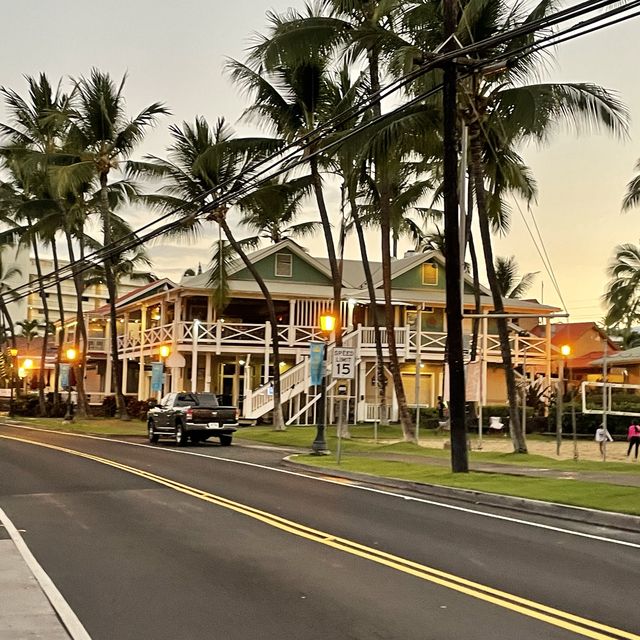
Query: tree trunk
82, 409
331, 250
278, 419
515, 428
408, 426
380, 377
121, 405
56, 382
42, 402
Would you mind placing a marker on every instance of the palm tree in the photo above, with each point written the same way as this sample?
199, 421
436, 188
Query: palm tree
100, 136
632, 197
623, 290
270, 210
291, 98
364, 29
511, 284
204, 165
502, 111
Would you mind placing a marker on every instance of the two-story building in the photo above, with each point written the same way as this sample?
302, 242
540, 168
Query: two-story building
229, 352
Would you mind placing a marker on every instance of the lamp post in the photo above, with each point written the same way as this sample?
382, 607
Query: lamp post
71, 356
13, 352
319, 445
566, 352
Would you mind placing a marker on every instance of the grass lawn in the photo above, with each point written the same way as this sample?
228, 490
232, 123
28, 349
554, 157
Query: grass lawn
91, 426
593, 495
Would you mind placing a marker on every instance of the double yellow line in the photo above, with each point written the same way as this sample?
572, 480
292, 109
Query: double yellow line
523, 606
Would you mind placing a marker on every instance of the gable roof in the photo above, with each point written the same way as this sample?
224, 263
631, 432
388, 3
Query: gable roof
568, 332
201, 281
135, 294
628, 356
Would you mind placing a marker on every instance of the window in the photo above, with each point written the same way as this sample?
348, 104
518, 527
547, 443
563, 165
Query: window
85, 298
284, 265
429, 274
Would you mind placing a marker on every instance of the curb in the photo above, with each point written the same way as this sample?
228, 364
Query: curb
609, 519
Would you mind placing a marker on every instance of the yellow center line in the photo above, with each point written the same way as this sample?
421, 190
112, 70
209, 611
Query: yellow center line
568, 621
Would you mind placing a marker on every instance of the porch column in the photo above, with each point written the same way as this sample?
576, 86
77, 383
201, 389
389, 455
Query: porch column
267, 350
194, 356
207, 372
108, 371
143, 327
394, 406
361, 400
125, 374
292, 325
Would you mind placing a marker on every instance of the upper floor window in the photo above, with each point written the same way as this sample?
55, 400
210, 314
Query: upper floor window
284, 265
429, 274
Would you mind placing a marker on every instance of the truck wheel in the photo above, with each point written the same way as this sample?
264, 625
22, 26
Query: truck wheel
153, 436
225, 441
181, 435
196, 438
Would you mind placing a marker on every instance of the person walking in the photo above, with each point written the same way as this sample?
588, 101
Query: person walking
633, 436
602, 438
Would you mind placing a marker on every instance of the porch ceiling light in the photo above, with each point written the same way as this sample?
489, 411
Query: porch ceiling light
565, 350
13, 352
27, 364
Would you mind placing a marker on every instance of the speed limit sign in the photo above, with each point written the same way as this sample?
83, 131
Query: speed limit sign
344, 363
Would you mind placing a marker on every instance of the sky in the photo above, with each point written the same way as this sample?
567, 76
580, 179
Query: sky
175, 53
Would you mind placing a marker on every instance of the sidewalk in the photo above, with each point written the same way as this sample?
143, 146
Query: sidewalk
25, 611
30, 604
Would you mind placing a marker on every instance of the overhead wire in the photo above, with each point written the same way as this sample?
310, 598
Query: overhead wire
117, 247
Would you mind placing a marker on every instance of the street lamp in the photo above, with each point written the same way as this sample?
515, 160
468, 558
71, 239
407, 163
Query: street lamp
565, 350
13, 352
319, 445
163, 354
71, 356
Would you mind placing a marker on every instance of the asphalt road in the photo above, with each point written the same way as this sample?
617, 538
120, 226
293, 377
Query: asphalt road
212, 542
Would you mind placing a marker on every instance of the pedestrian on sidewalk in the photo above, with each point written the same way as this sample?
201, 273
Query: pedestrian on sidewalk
633, 436
602, 438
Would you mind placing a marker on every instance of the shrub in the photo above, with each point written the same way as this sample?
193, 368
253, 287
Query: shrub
109, 406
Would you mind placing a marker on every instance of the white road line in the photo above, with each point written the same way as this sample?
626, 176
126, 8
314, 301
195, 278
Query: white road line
66, 614
433, 503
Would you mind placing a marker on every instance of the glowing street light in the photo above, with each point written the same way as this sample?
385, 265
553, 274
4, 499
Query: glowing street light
164, 351
71, 354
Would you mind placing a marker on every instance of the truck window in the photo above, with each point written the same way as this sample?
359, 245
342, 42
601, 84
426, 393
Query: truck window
185, 400
207, 400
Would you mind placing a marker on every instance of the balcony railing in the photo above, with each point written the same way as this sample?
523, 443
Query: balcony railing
229, 336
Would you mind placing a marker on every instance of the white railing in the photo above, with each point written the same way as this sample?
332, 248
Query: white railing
233, 335
158, 335
376, 412
257, 401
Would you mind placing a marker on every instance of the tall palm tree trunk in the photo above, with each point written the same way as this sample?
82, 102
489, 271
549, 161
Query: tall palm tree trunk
42, 402
408, 426
82, 409
380, 377
331, 250
515, 428
121, 405
56, 377
278, 418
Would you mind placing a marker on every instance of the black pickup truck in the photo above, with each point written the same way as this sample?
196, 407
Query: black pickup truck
191, 416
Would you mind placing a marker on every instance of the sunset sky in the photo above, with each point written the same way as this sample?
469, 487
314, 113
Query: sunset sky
174, 52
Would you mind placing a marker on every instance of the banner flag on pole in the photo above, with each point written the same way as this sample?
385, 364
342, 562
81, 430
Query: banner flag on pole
316, 357
157, 375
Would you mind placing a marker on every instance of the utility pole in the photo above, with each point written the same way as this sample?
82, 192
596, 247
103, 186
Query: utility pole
459, 456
